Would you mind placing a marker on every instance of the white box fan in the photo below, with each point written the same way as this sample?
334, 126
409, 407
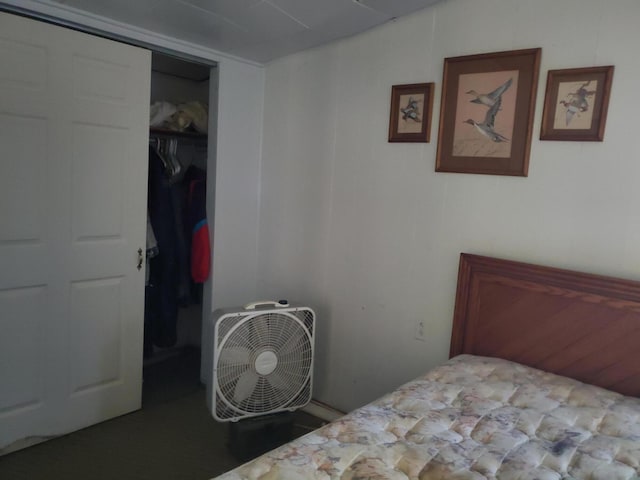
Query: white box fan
263, 360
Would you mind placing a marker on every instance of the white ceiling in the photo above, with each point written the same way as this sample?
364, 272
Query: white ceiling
259, 30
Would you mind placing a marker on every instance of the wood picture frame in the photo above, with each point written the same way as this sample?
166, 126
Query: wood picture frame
486, 113
576, 103
411, 110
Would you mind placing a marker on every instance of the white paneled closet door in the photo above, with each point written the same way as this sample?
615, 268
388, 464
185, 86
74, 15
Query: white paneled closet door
74, 112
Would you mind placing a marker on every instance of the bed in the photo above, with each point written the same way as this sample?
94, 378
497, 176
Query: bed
542, 383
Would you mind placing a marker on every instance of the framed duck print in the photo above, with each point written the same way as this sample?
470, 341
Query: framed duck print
486, 112
576, 104
410, 117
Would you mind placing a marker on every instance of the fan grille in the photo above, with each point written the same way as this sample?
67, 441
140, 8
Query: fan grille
284, 339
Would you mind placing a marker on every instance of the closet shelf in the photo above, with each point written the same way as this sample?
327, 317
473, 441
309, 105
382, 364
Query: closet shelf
176, 133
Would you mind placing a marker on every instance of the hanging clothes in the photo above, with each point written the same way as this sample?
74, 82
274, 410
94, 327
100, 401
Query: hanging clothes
161, 299
177, 217
200, 240
182, 238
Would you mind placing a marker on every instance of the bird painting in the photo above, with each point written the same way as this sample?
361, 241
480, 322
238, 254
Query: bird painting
577, 102
486, 128
491, 98
411, 111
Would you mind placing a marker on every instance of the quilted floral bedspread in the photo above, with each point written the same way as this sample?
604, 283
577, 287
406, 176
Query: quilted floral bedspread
470, 418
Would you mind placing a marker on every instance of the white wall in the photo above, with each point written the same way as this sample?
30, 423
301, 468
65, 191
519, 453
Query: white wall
177, 90
233, 218
369, 234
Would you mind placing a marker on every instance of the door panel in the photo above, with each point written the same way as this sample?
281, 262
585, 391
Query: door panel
96, 334
74, 112
24, 143
25, 64
22, 342
97, 181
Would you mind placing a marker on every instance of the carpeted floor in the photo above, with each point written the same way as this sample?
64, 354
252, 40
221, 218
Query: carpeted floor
172, 437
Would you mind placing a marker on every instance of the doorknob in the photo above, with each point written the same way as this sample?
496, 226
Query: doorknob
140, 259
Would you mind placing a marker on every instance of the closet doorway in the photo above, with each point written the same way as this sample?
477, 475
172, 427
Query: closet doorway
74, 111
181, 164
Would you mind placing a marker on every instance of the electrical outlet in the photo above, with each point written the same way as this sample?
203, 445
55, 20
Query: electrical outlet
420, 331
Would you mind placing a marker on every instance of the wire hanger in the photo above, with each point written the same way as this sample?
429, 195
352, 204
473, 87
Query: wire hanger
167, 150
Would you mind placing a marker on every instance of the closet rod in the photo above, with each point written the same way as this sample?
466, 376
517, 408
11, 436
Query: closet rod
163, 132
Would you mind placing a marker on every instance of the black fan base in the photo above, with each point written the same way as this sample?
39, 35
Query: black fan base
254, 436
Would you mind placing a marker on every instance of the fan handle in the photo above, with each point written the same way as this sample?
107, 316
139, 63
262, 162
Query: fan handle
271, 303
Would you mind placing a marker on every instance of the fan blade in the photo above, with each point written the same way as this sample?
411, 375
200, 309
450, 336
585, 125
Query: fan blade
277, 382
294, 345
234, 355
260, 327
244, 387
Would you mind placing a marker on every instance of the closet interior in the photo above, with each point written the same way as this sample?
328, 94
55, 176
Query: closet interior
178, 236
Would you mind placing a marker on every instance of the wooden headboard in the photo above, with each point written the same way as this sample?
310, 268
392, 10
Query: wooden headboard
574, 324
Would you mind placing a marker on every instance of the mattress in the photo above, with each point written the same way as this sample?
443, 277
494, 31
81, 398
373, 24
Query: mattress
470, 418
